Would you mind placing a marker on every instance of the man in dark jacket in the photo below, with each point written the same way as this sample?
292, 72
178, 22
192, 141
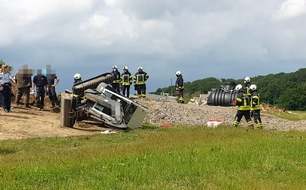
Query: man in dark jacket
23, 79
41, 84
53, 80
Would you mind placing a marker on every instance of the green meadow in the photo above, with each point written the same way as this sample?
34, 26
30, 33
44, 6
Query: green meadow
177, 157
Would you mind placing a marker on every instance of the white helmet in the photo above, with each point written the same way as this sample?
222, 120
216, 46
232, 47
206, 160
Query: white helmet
125, 68
77, 76
247, 79
238, 87
115, 67
253, 87
140, 68
178, 73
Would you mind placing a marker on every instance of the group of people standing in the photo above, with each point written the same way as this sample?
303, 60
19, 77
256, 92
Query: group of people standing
248, 104
45, 84
126, 79
42, 84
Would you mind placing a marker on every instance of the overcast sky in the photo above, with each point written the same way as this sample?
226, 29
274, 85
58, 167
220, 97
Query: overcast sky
201, 38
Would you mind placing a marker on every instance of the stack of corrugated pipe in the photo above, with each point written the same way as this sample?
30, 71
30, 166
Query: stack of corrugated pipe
223, 96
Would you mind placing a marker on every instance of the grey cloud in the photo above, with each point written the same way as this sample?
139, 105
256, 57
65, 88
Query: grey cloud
201, 38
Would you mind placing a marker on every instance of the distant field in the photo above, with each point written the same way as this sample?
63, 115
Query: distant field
178, 157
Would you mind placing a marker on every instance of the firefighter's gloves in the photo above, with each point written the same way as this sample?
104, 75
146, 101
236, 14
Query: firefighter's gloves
178, 88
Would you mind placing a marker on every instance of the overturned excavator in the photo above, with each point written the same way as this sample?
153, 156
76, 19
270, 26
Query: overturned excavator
223, 96
95, 100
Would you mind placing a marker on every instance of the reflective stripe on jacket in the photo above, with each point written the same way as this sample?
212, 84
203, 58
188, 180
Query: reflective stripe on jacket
243, 102
255, 103
141, 78
126, 79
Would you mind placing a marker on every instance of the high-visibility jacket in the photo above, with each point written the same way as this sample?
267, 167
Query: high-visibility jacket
179, 83
126, 79
255, 102
243, 101
141, 78
116, 73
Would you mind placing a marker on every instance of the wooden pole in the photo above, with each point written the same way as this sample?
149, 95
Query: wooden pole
66, 117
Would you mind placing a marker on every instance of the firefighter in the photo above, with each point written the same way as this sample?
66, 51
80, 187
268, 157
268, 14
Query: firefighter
179, 86
77, 78
255, 106
116, 81
243, 101
140, 79
126, 81
77, 98
247, 84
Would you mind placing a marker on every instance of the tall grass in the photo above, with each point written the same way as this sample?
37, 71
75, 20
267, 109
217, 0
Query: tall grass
178, 157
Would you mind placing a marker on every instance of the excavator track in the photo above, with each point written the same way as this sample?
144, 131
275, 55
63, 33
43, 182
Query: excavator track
92, 83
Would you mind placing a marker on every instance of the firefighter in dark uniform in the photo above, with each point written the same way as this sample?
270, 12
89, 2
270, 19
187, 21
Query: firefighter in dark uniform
179, 86
247, 84
255, 106
77, 98
126, 81
41, 83
140, 79
116, 81
243, 101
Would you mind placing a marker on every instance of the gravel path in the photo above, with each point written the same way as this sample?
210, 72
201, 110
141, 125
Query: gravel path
192, 114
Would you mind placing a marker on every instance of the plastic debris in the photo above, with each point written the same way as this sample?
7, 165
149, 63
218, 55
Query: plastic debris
108, 132
165, 125
214, 123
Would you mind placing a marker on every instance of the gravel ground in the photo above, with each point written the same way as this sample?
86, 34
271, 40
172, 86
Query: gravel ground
161, 112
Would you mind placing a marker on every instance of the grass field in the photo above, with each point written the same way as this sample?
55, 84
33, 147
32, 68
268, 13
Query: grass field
291, 115
178, 157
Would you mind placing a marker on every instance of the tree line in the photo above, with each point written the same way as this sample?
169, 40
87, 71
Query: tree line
285, 90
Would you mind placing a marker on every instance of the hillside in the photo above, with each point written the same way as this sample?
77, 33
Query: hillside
284, 90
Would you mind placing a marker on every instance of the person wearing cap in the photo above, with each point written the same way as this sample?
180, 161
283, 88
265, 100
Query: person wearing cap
116, 82
126, 81
140, 79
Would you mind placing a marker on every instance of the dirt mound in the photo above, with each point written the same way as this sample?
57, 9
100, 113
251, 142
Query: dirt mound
192, 114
